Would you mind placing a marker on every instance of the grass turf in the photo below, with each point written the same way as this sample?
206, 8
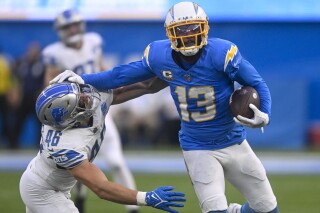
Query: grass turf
295, 194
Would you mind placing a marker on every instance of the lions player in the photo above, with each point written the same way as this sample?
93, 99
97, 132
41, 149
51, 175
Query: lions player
82, 53
73, 131
200, 73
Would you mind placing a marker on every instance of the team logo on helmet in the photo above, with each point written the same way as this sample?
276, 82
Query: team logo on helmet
58, 113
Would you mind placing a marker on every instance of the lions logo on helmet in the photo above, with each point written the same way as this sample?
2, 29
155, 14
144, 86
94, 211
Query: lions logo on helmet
187, 27
70, 26
58, 113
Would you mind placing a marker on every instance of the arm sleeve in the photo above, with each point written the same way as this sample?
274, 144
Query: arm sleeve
248, 75
68, 159
119, 76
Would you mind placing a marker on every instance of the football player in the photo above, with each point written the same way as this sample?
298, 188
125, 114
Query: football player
81, 51
200, 72
72, 133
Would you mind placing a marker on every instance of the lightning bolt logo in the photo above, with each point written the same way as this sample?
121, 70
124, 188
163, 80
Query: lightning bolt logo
146, 54
230, 55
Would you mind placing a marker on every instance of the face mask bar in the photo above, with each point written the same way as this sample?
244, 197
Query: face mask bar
188, 35
88, 100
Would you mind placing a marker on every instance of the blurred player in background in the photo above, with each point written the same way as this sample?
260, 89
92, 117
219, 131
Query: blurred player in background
74, 124
201, 73
7, 100
29, 70
81, 51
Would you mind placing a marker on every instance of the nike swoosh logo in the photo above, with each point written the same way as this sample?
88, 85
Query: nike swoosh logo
154, 197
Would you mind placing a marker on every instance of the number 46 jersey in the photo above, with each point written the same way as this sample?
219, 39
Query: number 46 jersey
63, 150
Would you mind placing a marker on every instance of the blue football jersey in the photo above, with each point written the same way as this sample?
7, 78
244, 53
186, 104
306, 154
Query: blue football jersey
201, 93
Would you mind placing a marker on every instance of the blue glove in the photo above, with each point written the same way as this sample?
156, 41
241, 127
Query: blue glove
163, 198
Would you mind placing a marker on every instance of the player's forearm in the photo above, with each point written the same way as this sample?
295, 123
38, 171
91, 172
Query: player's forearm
96, 181
115, 193
265, 97
119, 76
248, 75
127, 93
136, 90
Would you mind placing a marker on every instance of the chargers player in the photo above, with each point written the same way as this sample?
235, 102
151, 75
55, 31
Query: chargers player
82, 53
73, 128
201, 73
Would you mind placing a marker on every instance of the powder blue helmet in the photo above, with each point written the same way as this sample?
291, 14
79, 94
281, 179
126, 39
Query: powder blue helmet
64, 104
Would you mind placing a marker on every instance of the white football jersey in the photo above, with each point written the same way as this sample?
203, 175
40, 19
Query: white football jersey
83, 60
63, 150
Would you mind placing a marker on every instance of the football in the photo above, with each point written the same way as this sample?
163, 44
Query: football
240, 100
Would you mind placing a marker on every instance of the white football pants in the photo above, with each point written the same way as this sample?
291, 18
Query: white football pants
238, 164
39, 197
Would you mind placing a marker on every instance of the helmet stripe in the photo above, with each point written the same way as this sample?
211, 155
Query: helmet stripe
172, 12
50, 93
195, 6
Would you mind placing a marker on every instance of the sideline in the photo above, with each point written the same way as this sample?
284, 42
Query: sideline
172, 162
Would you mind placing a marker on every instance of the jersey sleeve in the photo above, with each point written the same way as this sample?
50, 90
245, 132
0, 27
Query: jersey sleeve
231, 59
96, 40
67, 158
248, 75
145, 57
50, 57
121, 75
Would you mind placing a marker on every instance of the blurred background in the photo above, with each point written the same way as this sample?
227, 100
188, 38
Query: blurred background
280, 38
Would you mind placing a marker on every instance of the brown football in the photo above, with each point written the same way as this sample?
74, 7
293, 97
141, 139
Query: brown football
240, 100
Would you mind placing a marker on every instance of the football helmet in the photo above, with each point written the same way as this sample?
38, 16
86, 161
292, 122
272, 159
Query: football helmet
64, 105
187, 27
70, 27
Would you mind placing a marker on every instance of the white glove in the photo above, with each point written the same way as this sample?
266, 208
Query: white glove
260, 119
67, 75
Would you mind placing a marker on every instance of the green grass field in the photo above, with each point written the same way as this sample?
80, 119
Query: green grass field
295, 194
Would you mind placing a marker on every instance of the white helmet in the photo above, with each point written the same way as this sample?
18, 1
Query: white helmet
187, 27
64, 21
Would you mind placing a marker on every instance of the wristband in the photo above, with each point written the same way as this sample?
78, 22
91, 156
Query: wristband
141, 198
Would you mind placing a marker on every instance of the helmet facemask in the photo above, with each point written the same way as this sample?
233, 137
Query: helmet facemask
88, 101
188, 37
72, 33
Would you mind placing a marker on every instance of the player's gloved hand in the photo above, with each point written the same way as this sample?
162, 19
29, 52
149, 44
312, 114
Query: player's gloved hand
260, 119
67, 75
163, 198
